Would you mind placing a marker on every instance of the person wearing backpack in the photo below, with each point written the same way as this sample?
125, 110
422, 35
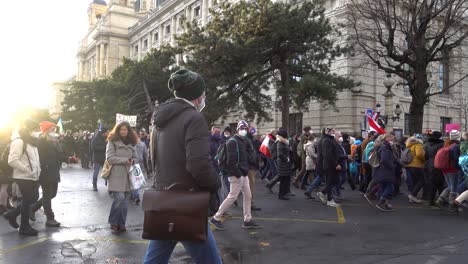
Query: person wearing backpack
415, 167
51, 157
237, 167
24, 159
384, 174
433, 144
367, 177
451, 171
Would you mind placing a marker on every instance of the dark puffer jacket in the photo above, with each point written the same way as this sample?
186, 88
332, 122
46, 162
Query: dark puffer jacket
252, 154
388, 163
51, 157
182, 147
329, 154
99, 148
430, 149
237, 163
283, 158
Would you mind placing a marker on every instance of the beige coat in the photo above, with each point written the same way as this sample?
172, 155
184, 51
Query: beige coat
117, 154
311, 155
25, 163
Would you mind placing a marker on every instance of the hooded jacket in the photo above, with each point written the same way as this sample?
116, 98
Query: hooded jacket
329, 154
417, 150
182, 147
25, 162
430, 149
386, 170
283, 157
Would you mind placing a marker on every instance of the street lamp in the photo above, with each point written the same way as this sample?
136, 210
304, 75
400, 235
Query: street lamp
389, 117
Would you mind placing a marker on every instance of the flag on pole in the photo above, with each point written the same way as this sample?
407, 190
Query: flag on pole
266, 145
373, 125
60, 125
100, 125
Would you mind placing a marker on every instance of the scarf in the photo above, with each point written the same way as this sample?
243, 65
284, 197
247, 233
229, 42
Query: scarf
282, 139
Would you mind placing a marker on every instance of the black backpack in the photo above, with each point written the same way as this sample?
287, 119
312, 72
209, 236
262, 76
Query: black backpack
221, 156
6, 171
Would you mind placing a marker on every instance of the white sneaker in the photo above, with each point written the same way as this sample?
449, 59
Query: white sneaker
332, 203
413, 199
322, 197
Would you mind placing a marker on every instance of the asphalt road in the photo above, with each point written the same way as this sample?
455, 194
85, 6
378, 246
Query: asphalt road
295, 231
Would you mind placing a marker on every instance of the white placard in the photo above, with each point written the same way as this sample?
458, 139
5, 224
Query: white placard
132, 120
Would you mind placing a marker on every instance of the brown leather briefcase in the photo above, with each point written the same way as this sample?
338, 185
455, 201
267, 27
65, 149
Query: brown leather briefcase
175, 215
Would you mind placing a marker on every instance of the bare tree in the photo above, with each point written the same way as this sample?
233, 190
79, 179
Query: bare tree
406, 37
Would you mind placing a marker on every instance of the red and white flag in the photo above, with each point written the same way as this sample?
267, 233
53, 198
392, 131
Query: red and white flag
264, 148
373, 125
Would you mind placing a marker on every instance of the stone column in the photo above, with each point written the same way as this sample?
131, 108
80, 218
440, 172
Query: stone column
150, 41
173, 30
161, 35
102, 63
80, 71
204, 12
188, 13
389, 110
98, 60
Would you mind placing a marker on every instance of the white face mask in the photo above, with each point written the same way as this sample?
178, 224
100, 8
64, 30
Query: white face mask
35, 134
202, 105
54, 135
243, 133
333, 135
340, 140
227, 135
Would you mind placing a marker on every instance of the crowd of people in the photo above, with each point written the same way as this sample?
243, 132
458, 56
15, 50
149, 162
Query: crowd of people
227, 163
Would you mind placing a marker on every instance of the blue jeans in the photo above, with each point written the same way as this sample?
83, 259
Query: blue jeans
342, 179
452, 179
135, 194
387, 189
160, 251
118, 213
97, 168
409, 180
272, 167
315, 183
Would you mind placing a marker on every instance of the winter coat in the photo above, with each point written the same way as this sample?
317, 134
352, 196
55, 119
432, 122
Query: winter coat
347, 146
69, 146
181, 147
417, 150
343, 157
237, 163
25, 163
328, 154
51, 157
283, 157
99, 145
142, 154
311, 155
118, 154
367, 150
252, 154
464, 148
430, 150
454, 155
386, 170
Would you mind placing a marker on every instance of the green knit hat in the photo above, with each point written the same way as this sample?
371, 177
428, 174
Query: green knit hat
186, 84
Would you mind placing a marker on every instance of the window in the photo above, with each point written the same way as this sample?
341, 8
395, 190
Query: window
295, 124
180, 25
136, 49
197, 11
145, 44
137, 5
168, 31
443, 122
407, 122
156, 37
444, 73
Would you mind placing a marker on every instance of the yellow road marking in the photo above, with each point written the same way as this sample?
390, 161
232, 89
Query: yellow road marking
291, 219
32, 243
341, 218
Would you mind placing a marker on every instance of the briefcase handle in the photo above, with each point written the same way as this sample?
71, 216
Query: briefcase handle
181, 185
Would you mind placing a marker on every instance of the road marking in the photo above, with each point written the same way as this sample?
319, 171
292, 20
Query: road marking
32, 243
341, 218
291, 220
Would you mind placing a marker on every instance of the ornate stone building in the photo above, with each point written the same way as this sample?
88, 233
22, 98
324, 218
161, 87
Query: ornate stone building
131, 30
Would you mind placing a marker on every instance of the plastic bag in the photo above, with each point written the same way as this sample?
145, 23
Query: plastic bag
137, 178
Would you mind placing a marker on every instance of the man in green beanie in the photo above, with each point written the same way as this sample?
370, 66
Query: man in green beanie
180, 146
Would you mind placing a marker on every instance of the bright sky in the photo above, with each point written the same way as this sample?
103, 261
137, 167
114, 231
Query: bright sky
39, 45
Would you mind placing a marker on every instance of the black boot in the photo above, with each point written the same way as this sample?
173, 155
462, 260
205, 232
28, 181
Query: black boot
11, 220
27, 231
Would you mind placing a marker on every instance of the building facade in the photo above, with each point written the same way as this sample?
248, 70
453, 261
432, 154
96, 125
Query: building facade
102, 51
56, 99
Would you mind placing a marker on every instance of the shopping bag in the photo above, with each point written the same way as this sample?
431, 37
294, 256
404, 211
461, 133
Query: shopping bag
137, 178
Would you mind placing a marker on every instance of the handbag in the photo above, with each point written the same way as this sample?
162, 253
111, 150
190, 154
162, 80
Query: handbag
106, 170
175, 214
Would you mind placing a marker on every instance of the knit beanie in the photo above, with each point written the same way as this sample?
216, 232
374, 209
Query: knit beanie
186, 84
242, 124
45, 125
282, 132
455, 135
436, 134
